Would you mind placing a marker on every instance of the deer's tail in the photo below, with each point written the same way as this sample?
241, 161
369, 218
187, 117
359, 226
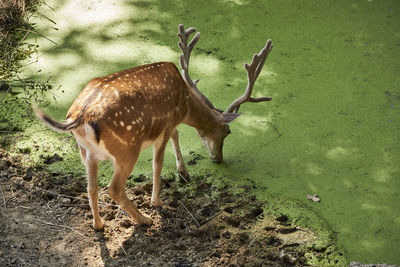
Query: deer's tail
55, 125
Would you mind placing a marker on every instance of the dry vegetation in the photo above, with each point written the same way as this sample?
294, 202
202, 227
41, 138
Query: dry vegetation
15, 27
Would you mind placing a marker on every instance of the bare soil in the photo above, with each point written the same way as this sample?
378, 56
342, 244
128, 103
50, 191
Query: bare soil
46, 221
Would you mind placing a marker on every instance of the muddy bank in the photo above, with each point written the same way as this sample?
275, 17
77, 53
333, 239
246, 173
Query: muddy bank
46, 220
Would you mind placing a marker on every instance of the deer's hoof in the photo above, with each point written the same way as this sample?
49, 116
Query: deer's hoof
144, 220
156, 202
98, 226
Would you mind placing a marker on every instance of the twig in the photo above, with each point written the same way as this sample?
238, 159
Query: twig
116, 238
73, 205
2, 193
23, 207
212, 217
9, 88
37, 34
62, 226
52, 8
185, 245
209, 255
52, 21
79, 198
254, 239
183, 177
198, 224
15, 47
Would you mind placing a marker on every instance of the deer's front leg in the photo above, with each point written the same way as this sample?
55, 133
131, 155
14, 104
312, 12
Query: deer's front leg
158, 158
91, 165
180, 164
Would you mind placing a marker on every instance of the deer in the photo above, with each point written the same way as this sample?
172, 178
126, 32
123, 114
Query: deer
117, 116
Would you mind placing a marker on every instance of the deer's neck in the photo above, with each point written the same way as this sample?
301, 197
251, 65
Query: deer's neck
199, 115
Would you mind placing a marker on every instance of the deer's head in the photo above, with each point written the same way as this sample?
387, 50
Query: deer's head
213, 137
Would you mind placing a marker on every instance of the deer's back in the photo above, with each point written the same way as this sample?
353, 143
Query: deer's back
136, 103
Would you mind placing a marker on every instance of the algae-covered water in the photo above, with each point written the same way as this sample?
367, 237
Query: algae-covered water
332, 127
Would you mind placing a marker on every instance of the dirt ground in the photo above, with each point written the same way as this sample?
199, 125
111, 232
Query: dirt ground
46, 221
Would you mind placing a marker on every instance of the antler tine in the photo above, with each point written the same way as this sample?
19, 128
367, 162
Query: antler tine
253, 70
185, 57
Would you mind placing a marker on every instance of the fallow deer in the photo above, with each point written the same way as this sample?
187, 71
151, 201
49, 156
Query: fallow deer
117, 116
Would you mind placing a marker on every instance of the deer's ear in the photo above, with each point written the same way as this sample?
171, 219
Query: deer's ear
227, 118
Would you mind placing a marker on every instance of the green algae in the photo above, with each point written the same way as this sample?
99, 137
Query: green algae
332, 127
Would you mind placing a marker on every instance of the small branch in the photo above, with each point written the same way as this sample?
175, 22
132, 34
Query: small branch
44, 2
62, 226
41, 35
9, 88
252, 241
180, 175
52, 21
79, 198
198, 224
2, 193
211, 217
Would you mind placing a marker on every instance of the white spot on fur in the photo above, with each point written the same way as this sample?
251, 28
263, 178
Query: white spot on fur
99, 96
122, 123
116, 93
129, 127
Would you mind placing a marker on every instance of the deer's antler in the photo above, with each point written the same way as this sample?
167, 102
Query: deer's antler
184, 59
253, 70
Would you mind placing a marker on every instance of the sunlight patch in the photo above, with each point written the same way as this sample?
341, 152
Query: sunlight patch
369, 206
313, 169
92, 13
382, 175
337, 153
252, 124
204, 64
128, 52
237, 2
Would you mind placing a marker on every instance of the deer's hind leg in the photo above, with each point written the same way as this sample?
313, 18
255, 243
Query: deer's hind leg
123, 167
91, 165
